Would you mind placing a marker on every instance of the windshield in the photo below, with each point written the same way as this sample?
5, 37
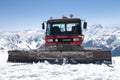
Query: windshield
63, 28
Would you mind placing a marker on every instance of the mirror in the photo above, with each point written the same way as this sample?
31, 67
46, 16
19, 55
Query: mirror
85, 25
43, 26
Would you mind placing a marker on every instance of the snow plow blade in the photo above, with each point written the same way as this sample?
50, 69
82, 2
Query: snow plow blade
73, 57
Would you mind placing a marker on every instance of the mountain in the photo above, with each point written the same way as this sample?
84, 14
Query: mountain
28, 39
98, 36
104, 37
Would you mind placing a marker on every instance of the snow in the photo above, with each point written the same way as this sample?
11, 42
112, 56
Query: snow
28, 39
104, 37
3, 56
46, 71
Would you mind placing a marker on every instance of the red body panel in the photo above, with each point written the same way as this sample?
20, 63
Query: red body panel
65, 39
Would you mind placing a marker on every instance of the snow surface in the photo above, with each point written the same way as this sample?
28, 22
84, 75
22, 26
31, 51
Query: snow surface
46, 71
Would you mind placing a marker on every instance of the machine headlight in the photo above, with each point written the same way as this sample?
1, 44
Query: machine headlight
49, 40
56, 40
76, 39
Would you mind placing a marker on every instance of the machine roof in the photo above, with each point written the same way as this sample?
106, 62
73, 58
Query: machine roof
64, 20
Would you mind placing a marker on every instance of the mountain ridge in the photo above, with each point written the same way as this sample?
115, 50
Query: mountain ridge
106, 38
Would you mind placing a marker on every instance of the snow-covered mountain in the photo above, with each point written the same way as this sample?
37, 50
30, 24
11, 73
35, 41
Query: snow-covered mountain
28, 39
105, 37
95, 36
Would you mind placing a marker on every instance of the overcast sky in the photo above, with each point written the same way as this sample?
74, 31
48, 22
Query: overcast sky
29, 14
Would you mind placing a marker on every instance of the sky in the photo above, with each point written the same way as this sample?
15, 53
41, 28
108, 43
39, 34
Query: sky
29, 14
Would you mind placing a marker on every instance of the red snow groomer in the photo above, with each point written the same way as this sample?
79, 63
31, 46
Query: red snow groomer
63, 42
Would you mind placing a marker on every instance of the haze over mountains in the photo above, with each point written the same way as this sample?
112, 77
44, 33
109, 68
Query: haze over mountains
105, 37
